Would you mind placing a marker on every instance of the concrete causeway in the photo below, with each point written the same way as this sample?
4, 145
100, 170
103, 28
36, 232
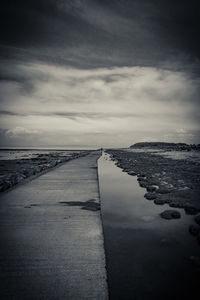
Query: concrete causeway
51, 236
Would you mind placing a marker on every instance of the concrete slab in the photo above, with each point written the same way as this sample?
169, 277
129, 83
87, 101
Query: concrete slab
51, 236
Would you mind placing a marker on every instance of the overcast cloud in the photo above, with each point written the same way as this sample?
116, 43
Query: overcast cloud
121, 104
98, 73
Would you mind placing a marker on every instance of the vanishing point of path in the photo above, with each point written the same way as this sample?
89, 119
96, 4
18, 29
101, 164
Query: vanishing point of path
51, 236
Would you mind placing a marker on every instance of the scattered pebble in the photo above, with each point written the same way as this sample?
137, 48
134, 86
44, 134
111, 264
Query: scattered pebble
170, 214
190, 209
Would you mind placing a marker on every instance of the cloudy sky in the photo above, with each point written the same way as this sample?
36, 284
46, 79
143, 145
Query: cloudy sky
91, 73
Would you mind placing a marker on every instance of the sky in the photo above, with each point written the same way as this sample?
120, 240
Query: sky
98, 73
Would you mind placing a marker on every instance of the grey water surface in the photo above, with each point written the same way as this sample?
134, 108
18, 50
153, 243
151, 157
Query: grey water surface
147, 257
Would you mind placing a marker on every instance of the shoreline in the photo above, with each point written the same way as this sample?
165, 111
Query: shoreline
167, 181
147, 256
15, 172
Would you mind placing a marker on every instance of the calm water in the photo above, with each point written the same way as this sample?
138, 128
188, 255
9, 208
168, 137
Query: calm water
147, 257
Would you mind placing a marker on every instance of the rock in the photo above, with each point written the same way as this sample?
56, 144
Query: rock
159, 201
176, 204
190, 209
183, 188
152, 188
163, 190
163, 183
197, 219
140, 178
170, 214
143, 184
132, 173
150, 196
194, 230
142, 175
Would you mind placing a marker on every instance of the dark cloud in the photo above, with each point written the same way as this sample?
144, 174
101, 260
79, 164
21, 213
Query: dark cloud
24, 83
108, 66
71, 115
89, 33
11, 113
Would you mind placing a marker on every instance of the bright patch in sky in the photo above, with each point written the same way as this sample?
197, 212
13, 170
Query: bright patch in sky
49, 105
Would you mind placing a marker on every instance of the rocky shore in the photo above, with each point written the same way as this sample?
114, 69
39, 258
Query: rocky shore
172, 181
15, 171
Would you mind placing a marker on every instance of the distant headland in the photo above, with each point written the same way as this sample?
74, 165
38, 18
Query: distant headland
165, 145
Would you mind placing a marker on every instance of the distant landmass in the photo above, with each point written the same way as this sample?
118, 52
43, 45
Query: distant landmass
165, 145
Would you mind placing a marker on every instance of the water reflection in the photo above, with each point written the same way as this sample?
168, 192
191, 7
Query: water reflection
147, 256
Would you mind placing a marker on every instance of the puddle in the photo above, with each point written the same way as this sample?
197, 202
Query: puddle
147, 257
85, 205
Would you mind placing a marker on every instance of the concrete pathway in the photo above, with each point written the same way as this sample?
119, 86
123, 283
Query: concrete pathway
51, 236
